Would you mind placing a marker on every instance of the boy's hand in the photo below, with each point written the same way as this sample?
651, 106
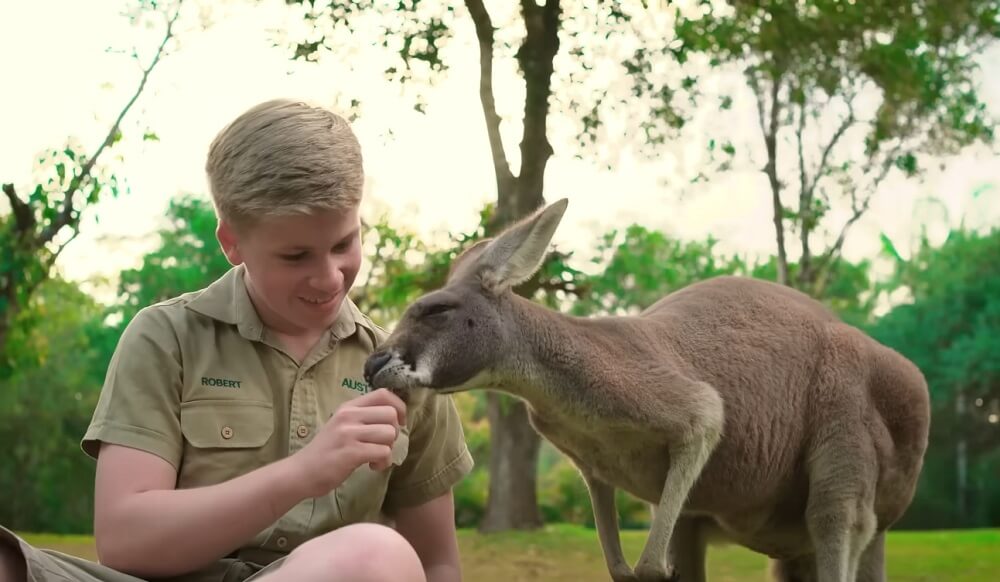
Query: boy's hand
361, 431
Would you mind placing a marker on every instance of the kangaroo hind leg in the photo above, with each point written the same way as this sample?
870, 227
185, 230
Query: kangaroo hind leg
840, 512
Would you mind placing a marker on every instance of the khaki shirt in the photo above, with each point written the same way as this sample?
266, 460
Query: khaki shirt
199, 381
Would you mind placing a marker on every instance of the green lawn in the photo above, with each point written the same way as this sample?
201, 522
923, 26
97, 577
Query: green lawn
563, 553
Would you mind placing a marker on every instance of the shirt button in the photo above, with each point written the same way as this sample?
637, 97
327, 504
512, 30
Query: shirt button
302, 431
282, 541
227, 432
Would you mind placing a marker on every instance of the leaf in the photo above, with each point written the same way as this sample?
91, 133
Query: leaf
889, 248
907, 163
983, 189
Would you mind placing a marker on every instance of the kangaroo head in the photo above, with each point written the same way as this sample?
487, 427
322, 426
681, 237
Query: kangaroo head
449, 340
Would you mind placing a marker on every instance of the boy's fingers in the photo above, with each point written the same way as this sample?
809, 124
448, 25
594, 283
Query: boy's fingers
383, 414
384, 396
381, 434
379, 456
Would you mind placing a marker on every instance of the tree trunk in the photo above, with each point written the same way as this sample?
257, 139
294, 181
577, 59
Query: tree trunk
512, 502
514, 446
769, 121
961, 463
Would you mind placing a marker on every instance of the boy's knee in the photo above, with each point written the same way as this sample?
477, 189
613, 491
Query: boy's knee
12, 568
363, 552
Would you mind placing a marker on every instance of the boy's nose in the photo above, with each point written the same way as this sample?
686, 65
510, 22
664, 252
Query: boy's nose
330, 277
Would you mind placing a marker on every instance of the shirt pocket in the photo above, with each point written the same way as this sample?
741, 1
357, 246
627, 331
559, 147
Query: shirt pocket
361, 496
223, 439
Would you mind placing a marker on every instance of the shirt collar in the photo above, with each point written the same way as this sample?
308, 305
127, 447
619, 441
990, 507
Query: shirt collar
228, 301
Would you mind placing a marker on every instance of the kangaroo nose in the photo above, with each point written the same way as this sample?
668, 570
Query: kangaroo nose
374, 363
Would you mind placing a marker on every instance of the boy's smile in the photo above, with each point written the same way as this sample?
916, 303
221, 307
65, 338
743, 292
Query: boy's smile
299, 268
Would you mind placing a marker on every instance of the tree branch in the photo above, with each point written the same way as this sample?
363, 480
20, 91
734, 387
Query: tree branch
803, 179
755, 87
834, 251
825, 157
66, 216
887, 164
805, 200
484, 32
858, 208
808, 194
24, 220
770, 131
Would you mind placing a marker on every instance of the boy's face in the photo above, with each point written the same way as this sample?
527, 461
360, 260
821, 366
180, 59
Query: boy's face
298, 268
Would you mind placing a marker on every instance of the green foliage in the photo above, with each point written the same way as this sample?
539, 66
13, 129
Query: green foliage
402, 267
188, 258
471, 492
917, 54
563, 498
949, 329
42, 223
58, 351
638, 266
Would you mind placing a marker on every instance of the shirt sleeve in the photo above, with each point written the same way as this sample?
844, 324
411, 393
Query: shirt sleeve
438, 456
139, 405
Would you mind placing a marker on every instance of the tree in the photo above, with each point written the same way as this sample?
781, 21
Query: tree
417, 31
844, 93
42, 222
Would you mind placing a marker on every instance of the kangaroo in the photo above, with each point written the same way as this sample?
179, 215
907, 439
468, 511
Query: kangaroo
734, 406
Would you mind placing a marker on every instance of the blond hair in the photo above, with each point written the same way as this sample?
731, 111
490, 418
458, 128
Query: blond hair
281, 158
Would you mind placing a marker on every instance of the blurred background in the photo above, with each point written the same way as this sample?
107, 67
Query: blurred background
844, 148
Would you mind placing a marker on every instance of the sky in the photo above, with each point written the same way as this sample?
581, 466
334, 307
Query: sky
431, 172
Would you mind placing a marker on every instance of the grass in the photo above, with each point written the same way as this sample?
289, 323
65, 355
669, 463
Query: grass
566, 553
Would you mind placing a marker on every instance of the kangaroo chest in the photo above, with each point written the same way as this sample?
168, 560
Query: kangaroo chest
624, 458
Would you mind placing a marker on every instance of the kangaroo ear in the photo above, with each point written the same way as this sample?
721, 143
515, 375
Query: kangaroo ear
516, 253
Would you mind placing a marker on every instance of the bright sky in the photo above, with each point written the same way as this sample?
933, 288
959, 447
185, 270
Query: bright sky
434, 172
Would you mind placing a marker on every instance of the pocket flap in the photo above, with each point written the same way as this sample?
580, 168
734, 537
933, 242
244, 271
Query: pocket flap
227, 424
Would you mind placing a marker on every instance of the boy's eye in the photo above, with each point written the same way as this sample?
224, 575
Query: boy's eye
294, 256
343, 246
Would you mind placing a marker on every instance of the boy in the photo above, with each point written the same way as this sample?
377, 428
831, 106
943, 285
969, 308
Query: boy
234, 437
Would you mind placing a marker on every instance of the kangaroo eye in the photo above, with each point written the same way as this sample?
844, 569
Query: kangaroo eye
437, 309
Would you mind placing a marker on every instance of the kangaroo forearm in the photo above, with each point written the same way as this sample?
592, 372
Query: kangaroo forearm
170, 532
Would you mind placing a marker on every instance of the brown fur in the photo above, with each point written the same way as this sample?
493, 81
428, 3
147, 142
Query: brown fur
735, 407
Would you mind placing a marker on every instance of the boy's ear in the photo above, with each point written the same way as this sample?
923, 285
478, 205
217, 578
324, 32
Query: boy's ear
229, 242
